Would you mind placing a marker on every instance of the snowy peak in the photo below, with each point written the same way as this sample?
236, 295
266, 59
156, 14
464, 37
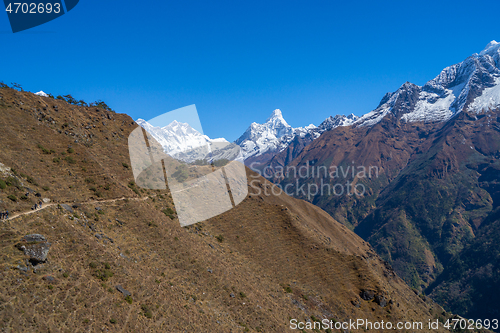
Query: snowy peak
490, 49
473, 85
275, 134
177, 138
277, 124
180, 129
41, 93
274, 128
277, 115
339, 120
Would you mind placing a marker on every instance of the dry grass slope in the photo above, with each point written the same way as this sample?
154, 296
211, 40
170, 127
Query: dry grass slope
253, 268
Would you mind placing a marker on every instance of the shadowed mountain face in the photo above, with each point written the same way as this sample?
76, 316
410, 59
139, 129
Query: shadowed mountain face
430, 207
432, 201
118, 259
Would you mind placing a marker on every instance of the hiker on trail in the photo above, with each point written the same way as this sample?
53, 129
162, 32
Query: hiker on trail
40, 204
7, 215
36, 207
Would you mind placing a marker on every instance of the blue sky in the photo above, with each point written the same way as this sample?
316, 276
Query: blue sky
238, 61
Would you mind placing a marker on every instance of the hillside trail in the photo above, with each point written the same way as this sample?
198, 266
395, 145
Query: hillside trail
47, 205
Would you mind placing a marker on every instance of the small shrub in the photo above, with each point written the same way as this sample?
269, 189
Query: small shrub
71, 150
70, 160
23, 197
45, 188
287, 289
169, 212
128, 299
112, 321
86, 321
3, 184
65, 274
220, 238
56, 160
50, 286
11, 181
107, 266
46, 151
104, 275
93, 264
147, 311
31, 180
243, 295
125, 165
90, 180
12, 197
107, 187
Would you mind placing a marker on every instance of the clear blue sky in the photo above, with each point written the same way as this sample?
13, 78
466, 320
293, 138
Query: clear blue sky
240, 60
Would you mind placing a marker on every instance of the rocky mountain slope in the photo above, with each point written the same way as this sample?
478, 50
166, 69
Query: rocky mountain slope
118, 259
473, 84
430, 204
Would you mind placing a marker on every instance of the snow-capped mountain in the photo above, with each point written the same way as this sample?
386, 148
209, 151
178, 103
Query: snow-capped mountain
41, 93
180, 140
276, 134
472, 85
339, 120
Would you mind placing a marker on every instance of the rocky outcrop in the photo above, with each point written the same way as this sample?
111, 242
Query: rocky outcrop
35, 246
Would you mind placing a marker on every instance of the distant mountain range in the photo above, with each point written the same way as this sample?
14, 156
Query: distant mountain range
275, 135
432, 211
182, 141
472, 85
266, 139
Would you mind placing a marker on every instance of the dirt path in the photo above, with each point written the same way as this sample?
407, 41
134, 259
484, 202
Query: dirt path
47, 205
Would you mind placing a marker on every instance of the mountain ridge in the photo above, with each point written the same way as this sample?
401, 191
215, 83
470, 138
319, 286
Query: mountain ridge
270, 259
